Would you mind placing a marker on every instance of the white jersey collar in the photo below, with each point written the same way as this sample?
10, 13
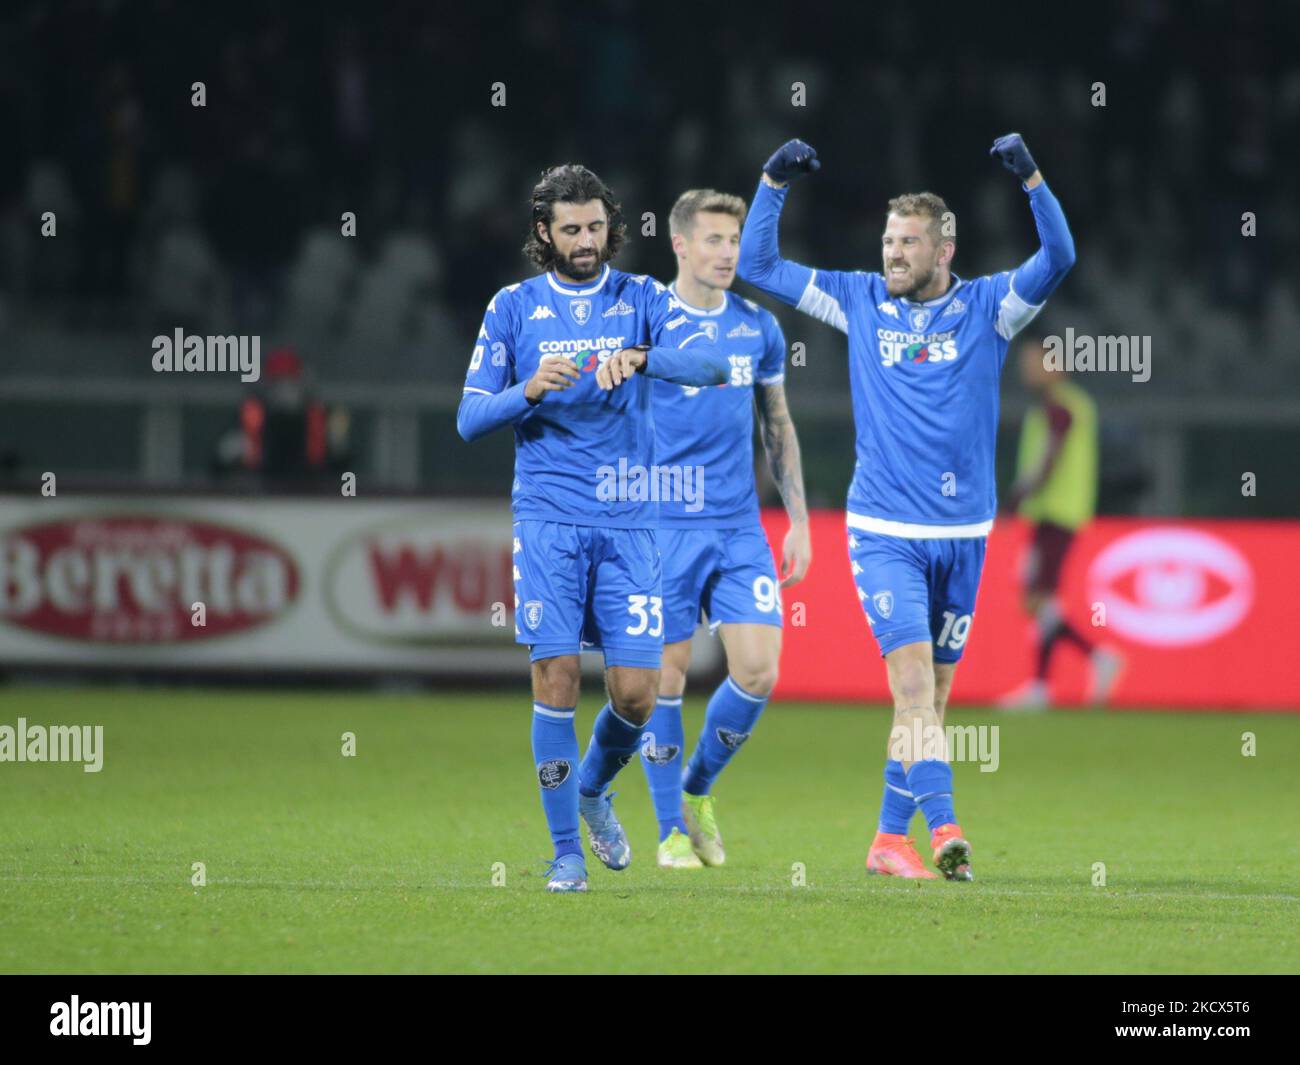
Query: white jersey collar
952, 291
569, 290
699, 312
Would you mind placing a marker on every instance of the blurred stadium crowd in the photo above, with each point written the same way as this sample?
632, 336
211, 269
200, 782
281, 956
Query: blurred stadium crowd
226, 218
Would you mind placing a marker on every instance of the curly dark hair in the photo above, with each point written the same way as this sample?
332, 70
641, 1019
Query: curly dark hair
570, 183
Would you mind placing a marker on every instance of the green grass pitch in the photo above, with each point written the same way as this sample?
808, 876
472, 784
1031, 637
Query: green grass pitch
384, 862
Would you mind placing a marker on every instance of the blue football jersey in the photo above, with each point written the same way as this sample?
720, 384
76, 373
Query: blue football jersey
582, 456
923, 377
704, 437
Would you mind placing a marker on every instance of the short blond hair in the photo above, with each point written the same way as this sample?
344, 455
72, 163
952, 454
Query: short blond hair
925, 205
693, 201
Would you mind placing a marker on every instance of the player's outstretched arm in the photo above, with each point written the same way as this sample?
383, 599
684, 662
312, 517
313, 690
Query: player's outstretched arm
698, 365
760, 253
1036, 278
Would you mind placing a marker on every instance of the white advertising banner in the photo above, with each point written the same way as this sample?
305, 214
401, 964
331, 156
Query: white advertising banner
259, 583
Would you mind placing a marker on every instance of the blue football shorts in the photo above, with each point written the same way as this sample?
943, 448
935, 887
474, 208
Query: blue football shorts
584, 587
724, 575
914, 590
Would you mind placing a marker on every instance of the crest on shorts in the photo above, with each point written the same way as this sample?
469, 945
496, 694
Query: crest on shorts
533, 613
731, 739
580, 309
884, 603
552, 774
918, 318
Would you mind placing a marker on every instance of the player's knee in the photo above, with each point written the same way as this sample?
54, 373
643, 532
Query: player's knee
634, 706
556, 680
757, 678
914, 685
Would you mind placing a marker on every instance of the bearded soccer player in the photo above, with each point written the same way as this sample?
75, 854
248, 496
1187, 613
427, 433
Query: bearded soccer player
715, 556
1056, 490
926, 349
585, 553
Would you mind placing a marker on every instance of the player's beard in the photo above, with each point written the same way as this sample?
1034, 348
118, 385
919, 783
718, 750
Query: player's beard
579, 272
915, 282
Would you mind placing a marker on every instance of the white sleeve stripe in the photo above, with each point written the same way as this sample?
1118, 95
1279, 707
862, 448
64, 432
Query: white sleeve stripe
822, 306
480, 391
1014, 314
772, 380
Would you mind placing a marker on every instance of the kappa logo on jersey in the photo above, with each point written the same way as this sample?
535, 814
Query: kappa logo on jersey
884, 603
681, 319
552, 774
476, 360
744, 330
533, 613
541, 312
918, 318
888, 308
580, 309
954, 308
731, 739
621, 308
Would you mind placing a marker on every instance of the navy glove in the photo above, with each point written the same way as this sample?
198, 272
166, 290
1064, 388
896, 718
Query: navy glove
1014, 155
791, 160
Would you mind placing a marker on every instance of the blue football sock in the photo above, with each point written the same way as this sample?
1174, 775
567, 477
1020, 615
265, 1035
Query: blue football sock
729, 720
897, 806
555, 754
930, 782
661, 755
614, 740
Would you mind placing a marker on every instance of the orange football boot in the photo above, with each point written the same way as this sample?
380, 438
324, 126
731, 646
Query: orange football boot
895, 855
951, 852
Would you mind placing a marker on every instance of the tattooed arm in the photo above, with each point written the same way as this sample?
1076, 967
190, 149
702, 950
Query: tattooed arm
782, 447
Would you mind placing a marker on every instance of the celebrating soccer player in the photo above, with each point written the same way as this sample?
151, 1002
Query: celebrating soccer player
925, 352
1056, 490
715, 556
585, 553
